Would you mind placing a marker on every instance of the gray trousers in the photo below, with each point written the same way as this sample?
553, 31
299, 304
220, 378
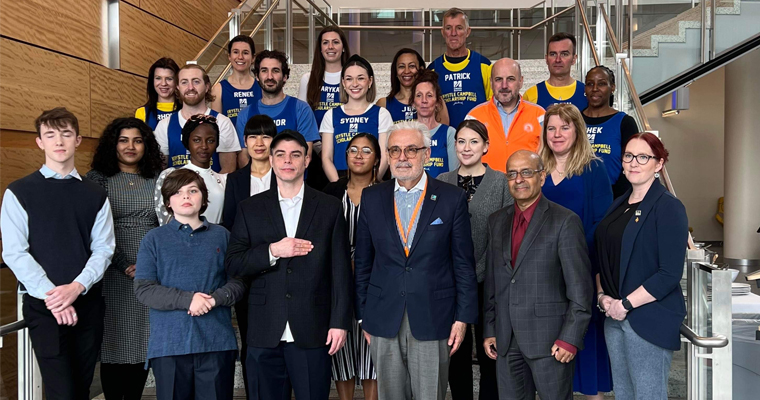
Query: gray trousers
409, 367
519, 378
639, 369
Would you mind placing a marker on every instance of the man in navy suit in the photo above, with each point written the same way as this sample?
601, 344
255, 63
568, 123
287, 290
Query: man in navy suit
416, 289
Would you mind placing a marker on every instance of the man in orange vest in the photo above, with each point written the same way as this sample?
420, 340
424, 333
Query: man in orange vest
513, 123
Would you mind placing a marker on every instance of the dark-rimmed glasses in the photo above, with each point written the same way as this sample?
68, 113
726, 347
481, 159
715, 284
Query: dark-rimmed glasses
642, 159
526, 173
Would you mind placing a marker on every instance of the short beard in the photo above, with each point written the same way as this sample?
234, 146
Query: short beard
192, 104
277, 89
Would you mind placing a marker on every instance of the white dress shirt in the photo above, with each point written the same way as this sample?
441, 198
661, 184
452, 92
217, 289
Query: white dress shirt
291, 211
260, 185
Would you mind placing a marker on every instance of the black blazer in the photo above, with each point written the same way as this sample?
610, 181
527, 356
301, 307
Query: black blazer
652, 255
238, 189
436, 284
313, 293
547, 295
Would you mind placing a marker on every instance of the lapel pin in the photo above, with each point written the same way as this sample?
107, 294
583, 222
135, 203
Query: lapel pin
433, 197
637, 219
638, 212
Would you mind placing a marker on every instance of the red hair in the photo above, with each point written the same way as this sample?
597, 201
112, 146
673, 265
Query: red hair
658, 149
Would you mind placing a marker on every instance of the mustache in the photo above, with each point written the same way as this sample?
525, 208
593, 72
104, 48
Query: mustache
403, 164
190, 92
272, 81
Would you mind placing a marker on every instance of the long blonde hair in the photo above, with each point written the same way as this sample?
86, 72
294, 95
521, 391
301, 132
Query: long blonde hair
581, 153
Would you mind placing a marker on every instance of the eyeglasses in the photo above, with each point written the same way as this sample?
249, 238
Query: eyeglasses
642, 159
354, 151
526, 173
410, 152
201, 118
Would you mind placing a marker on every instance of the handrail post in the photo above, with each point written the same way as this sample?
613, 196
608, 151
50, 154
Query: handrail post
269, 33
713, 11
512, 34
312, 35
630, 37
519, 35
234, 24
703, 32
289, 30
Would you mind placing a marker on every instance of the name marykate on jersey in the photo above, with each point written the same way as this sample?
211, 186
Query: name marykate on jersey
331, 89
457, 76
354, 120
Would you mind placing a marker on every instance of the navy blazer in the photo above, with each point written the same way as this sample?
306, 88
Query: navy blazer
238, 188
652, 255
436, 284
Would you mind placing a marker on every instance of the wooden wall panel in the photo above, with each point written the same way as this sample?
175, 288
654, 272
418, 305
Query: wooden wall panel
57, 25
190, 15
21, 156
34, 80
145, 38
219, 10
113, 94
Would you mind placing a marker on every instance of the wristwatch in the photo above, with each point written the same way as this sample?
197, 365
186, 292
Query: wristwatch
627, 304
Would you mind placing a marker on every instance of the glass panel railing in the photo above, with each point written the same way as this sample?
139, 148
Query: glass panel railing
213, 56
668, 38
378, 40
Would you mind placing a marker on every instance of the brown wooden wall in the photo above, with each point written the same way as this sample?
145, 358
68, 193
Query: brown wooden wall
52, 53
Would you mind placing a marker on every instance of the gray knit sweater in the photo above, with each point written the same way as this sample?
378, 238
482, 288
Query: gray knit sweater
491, 196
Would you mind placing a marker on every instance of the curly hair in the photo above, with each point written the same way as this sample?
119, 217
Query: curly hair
106, 161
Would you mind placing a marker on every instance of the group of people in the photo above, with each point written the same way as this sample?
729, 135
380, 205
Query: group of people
452, 219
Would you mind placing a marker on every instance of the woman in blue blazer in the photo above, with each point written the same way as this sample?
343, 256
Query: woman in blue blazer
577, 179
640, 247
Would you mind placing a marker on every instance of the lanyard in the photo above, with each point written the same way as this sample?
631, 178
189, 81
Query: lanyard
405, 235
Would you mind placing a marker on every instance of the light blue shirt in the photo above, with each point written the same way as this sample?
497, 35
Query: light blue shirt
506, 116
14, 224
406, 201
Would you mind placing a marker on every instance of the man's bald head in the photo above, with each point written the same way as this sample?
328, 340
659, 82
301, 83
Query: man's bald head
525, 188
506, 82
534, 158
510, 64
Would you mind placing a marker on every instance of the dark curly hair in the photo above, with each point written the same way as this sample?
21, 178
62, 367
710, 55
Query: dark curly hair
106, 161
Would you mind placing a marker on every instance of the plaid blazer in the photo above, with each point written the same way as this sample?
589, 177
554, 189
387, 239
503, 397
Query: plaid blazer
548, 294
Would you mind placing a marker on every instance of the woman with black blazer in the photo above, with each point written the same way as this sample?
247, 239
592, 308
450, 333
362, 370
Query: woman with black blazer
487, 192
254, 178
640, 247
257, 176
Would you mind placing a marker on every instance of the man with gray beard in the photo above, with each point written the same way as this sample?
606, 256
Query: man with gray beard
416, 289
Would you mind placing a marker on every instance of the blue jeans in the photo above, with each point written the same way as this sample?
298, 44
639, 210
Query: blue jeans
639, 369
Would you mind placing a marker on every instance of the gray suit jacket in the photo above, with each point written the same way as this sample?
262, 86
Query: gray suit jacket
492, 195
547, 296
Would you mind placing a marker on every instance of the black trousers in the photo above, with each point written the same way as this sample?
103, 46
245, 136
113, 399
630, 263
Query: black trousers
520, 377
66, 354
241, 314
273, 374
201, 376
123, 381
460, 367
